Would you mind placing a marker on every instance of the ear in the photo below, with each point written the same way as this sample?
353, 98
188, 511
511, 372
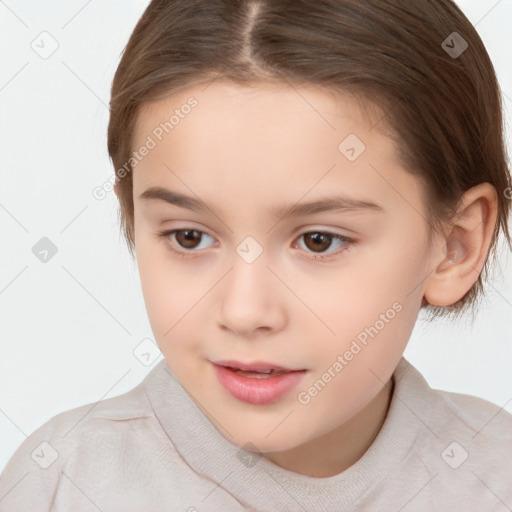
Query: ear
465, 248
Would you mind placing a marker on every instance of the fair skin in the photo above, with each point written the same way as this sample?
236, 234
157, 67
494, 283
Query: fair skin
244, 151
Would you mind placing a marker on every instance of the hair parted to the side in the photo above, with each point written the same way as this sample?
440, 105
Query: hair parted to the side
444, 113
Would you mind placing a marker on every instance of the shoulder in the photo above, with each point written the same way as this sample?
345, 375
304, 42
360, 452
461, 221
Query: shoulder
463, 443
83, 436
480, 416
70, 425
444, 410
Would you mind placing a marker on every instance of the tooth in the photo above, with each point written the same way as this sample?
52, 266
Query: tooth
254, 371
253, 374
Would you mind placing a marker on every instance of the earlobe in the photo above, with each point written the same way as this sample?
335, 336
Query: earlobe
465, 248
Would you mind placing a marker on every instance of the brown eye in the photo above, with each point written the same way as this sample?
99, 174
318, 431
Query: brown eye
318, 241
185, 243
188, 238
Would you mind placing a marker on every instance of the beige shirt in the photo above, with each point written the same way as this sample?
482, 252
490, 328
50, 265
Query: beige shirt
153, 450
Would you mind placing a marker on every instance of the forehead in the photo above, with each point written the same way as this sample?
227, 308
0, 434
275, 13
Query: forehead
261, 142
223, 103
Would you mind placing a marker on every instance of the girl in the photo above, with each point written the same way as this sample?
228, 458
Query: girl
297, 180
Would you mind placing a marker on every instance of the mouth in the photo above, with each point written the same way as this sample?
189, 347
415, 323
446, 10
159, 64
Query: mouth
257, 383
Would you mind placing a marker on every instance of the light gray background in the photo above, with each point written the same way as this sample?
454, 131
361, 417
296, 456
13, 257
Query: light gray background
70, 326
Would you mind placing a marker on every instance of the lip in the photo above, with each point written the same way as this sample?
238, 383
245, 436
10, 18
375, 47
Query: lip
255, 365
257, 391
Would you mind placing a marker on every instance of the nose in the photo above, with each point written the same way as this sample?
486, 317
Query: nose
250, 299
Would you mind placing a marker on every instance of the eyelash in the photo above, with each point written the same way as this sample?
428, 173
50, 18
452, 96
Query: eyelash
164, 235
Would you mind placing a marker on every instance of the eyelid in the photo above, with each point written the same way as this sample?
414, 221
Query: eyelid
334, 230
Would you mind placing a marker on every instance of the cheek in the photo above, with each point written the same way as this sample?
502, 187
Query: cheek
174, 294
374, 301
166, 291
391, 267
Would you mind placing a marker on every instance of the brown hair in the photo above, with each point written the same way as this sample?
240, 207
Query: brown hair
443, 110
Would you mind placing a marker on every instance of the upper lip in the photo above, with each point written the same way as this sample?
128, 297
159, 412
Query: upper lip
255, 365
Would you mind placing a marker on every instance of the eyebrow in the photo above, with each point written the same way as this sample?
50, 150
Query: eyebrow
327, 204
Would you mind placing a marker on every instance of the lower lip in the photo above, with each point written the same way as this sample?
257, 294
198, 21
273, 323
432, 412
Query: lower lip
258, 391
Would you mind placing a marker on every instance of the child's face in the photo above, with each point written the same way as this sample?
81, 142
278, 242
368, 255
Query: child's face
246, 152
